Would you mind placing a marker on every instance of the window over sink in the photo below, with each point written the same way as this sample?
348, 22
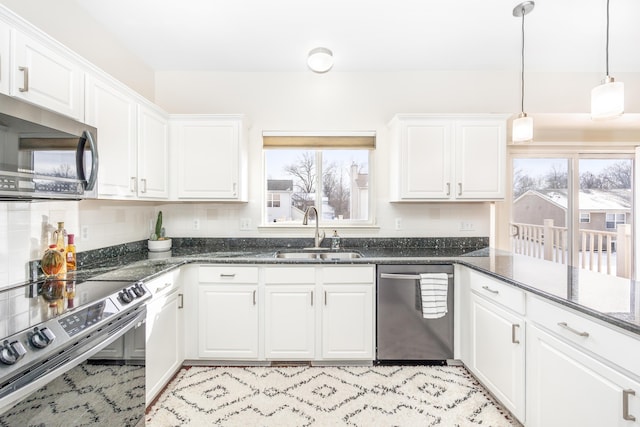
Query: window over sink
328, 171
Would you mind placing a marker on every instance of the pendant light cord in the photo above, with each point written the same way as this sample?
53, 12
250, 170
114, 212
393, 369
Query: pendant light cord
607, 47
522, 67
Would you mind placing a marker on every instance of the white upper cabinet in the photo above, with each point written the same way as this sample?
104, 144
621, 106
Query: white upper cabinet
5, 38
113, 113
211, 156
133, 142
153, 153
447, 157
46, 76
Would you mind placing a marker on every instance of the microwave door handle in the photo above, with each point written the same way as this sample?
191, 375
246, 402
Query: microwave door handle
86, 136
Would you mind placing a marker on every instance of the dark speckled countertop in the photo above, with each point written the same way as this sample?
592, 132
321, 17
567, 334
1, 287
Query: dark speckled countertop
612, 300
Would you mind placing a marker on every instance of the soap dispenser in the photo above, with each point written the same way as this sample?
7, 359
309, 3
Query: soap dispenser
335, 240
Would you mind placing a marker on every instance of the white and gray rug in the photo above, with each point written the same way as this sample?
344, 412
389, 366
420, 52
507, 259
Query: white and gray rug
326, 396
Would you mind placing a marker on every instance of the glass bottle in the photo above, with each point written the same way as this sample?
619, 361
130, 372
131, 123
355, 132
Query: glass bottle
60, 236
71, 253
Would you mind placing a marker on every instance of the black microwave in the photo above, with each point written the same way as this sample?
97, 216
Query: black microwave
44, 155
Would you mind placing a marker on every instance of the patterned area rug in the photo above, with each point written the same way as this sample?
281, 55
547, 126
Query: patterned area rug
326, 396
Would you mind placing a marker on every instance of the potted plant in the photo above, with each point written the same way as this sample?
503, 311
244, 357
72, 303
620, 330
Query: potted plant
158, 242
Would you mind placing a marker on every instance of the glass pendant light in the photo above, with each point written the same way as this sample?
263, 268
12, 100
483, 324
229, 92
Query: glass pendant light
607, 99
522, 128
320, 60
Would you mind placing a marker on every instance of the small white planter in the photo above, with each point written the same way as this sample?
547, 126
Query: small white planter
159, 245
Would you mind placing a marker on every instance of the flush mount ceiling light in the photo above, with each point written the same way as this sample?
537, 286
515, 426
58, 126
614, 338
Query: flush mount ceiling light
320, 60
607, 99
522, 130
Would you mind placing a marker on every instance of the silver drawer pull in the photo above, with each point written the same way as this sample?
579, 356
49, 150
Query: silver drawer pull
575, 331
459, 189
513, 334
448, 188
625, 404
488, 289
181, 304
228, 276
254, 297
25, 88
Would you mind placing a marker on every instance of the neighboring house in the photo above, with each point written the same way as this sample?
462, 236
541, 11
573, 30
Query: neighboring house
359, 194
600, 210
279, 193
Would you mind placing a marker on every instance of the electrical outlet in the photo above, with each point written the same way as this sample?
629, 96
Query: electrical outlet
245, 223
84, 232
466, 226
196, 224
398, 223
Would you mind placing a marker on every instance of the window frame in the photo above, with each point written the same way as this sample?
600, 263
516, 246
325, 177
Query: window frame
320, 139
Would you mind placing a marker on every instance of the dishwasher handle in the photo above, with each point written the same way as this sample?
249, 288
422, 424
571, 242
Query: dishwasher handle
405, 276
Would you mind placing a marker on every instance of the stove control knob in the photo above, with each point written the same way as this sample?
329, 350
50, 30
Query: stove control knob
138, 290
40, 338
11, 352
125, 296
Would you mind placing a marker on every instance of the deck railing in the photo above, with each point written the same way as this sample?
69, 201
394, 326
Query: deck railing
606, 252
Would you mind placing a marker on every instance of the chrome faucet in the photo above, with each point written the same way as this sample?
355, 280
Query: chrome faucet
317, 238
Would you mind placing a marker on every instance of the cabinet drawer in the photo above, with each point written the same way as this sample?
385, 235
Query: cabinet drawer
228, 274
612, 345
163, 285
495, 290
348, 274
294, 275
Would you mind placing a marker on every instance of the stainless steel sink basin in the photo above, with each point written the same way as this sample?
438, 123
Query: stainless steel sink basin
336, 256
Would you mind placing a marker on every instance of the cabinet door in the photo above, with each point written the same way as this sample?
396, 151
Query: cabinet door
565, 387
289, 322
153, 154
45, 77
497, 353
113, 113
208, 159
480, 159
347, 322
5, 32
425, 159
228, 321
163, 344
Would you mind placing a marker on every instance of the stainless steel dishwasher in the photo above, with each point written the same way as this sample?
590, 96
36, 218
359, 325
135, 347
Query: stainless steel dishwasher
403, 335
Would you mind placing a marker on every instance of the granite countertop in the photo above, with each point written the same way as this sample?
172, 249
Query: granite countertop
610, 299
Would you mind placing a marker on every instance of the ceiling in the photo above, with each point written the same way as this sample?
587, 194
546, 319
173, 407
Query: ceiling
373, 35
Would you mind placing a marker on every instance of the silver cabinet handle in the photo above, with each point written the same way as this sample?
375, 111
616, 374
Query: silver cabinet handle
235, 189
448, 188
254, 297
162, 288
488, 289
133, 184
325, 297
459, 189
144, 185
228, 276
311, 298
181, 304
625, 404
564, 325
25, 87
513, 334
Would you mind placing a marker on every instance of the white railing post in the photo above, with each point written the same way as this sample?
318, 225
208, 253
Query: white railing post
623, 251
548, 242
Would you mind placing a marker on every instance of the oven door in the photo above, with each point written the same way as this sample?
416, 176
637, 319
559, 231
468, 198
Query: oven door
76, 388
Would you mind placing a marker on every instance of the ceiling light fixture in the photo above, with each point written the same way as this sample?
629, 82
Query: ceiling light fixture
320, 60
522, 130
607, 99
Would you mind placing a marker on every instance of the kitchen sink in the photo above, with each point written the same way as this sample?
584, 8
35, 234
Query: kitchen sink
333, 256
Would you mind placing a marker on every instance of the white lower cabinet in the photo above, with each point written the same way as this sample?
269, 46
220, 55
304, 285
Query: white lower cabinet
498, 352
566, 387
228, 321
164, 333
228, 312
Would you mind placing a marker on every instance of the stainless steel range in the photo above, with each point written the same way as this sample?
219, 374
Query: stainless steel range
53, 370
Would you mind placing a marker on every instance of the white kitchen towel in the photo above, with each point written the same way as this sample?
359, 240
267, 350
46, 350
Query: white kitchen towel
433, 289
